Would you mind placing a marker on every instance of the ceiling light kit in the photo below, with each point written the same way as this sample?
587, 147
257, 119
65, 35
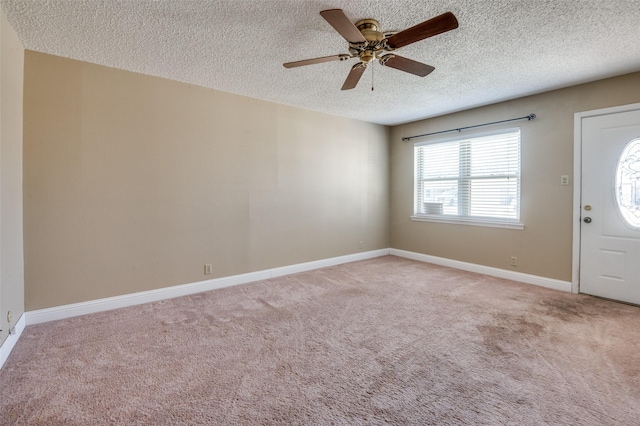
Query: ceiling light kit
367, 43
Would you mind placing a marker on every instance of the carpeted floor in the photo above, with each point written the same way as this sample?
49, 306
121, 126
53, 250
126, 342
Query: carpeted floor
382, 341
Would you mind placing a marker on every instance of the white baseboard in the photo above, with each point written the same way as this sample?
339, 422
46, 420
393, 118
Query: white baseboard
109, 303
11, 340
486, 270
99, 305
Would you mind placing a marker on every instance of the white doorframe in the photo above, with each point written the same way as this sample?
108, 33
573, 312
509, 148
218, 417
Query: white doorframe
577, 182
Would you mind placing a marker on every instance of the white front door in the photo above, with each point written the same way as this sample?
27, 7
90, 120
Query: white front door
610, 206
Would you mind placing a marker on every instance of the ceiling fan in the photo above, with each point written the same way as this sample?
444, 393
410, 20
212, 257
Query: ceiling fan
367, 43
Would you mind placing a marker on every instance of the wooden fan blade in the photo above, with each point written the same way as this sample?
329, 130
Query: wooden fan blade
434, 26
343, 25
354, 76
405, 64
316, 61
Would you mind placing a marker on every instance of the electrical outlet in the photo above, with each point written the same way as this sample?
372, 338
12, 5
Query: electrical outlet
208, 269
9, 317
564, 180
360, 245
514, 261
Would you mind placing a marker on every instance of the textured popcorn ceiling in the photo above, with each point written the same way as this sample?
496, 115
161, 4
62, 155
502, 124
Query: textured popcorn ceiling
503, 49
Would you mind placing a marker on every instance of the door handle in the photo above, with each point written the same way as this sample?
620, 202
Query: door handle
587, 220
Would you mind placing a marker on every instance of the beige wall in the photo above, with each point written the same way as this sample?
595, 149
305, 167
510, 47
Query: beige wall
544, 247
133, 183
11, 256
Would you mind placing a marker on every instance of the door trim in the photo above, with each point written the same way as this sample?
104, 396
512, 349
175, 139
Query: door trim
577, 181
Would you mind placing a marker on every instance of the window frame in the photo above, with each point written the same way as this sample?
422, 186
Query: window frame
497, 222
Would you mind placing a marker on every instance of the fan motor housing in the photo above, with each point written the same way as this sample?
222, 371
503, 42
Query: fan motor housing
370, 29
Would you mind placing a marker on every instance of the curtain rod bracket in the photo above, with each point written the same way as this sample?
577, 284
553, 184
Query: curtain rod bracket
460, 129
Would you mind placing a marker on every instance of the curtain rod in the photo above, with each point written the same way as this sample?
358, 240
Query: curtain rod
459, 129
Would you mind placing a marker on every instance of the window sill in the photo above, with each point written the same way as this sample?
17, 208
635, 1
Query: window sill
469, 221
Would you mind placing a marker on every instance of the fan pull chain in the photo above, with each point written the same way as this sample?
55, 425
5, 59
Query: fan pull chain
372, 67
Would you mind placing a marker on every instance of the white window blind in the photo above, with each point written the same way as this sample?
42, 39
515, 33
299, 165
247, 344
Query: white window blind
473, 179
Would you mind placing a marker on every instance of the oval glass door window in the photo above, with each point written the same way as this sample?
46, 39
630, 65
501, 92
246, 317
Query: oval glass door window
628, 184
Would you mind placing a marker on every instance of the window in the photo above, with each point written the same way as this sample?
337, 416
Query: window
628, 184
473, 180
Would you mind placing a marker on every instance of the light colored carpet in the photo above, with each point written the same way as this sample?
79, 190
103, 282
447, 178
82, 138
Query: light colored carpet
382, 341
